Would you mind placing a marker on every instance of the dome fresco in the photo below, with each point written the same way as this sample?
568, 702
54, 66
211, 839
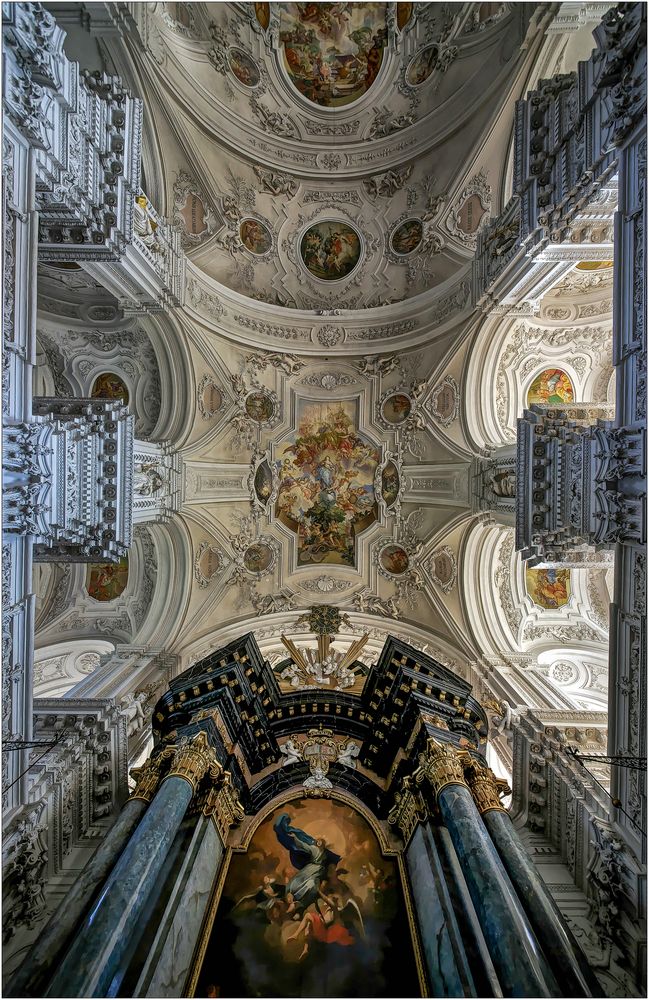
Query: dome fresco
333, 51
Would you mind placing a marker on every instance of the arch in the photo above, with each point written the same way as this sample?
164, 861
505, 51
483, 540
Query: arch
297, 855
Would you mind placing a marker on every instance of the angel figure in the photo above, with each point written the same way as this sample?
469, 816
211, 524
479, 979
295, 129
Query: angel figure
347, 753
291, 753
331, 922
268, 898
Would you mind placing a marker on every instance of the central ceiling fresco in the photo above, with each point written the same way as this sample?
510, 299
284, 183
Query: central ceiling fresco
326, 482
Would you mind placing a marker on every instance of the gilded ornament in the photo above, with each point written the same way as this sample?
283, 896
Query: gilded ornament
147, 776
485, 787
193, 760
442, 764
409, 808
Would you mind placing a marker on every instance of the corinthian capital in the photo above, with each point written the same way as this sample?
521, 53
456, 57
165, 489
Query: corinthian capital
442, 764
193, 760
147, 776
486, 788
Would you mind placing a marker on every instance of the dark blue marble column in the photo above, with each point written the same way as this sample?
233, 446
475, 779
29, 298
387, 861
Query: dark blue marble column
569, 963
519, 963
98, 956
448, 970
31, 978
103, 941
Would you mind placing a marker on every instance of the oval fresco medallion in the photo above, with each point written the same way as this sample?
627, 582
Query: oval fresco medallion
396, 408
422, 66
257, 557
106, 581
404, 13
394, 559
255, 236
262, 13
259, 406
470, 215
243, 67
551, 386
390, 484
211, 399
549, 588
330, 250
109, 386
332, 51
443, 568
210, 563
263, 482
407, 237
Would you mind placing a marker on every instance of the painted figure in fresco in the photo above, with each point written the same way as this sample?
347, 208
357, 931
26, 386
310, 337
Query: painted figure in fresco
332, 922
551, 386
310, 856
326, 484
333, 51
268, 899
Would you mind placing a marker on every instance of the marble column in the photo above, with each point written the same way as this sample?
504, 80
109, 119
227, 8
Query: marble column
32, 976
573, 971
519, 963
103, 942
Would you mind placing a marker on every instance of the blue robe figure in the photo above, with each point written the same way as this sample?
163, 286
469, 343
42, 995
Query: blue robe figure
309, 855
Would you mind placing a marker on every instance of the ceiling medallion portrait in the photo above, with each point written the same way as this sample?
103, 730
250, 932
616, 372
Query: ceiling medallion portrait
330, 250
333, 51
243, 67
259, 406
326, 482
396, 408
256, 237
258, 557
394, 559
407, 237
422, 66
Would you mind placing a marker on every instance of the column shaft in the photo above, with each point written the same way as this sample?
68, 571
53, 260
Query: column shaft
519, 963
576, 977
104, 938
33, 974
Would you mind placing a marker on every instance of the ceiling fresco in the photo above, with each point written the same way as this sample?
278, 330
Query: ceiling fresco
311, 149
333, 51
326, 482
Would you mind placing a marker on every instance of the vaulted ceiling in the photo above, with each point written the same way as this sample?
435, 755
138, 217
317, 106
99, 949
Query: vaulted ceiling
326, 384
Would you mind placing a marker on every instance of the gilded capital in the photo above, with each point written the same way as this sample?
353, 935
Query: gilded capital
408, 810
486, 788
193, 760
147, 776
442, 764
223, 804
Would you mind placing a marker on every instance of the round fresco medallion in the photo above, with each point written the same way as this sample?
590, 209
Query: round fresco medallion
332, 51
396, 408
594, 265
255, 236
259, 406
109, 386
243, 67
330, 250
394, 560
422, 66
407, 237
257, 557
390, 484
551, 386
